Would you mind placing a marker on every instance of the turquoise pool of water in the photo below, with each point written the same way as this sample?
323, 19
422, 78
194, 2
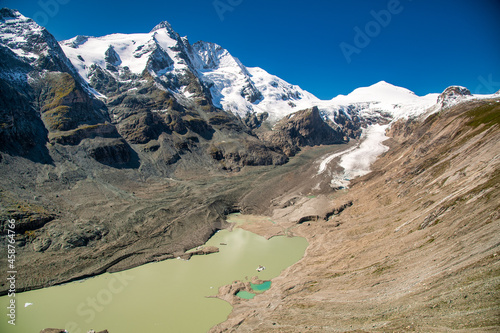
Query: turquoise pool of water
261, 287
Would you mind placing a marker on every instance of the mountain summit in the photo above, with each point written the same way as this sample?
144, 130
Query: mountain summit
163, 25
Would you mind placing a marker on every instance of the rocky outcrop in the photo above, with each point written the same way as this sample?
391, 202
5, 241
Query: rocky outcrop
112, 58
249, 152
303, 128
352, 126
452, 95
228, 292
338, 210
199, 251
250, 92
255, 120
112, 152
64, 105
159, 60
77, 135
309, 218
21, 130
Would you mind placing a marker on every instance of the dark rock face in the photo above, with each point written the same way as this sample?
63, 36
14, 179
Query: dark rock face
251, 152
451, 95
255, 120
112, 152
21, 131
64, 105
159, 60
111, 57
251, 93
43, 99
303, 128
350, 125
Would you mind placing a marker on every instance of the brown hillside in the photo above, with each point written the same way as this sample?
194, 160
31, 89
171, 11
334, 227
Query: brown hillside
418, 250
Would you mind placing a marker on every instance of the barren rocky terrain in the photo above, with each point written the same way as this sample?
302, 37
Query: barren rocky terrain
411, 247
77, 218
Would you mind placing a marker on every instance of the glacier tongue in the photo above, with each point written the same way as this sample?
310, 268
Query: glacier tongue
357, 162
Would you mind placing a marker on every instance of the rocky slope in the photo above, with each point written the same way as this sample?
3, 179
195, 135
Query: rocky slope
412, 246
303, 128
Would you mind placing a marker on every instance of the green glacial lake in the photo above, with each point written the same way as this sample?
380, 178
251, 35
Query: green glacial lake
168, 296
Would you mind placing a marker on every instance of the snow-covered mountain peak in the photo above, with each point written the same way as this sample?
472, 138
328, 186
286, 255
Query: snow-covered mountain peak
21, 34
162, 25
168, 28
380, 92
12, 16
383, 98
453, 95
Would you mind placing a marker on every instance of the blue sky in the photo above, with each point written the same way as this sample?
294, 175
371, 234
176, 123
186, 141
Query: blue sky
327, 47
